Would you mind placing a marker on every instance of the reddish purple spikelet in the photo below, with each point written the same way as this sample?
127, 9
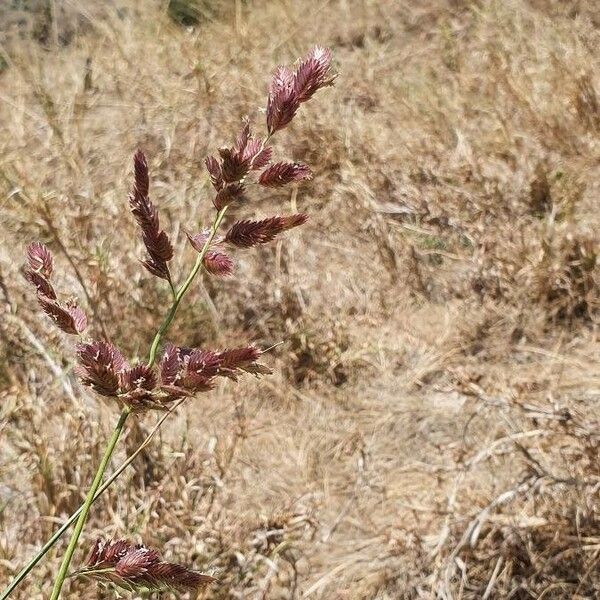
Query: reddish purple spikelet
156, 240
283, 79
261, 158
198, 240
232, 358
232, 192
185, 371
100, 367
139, 377
215, 173
137, 389
243, 359
203, 362
233, 166
40, 259
200, 368
107, 553
251, 150
227, 176
79, 318
217, 263
170, 365
247, 153
69, 318
42, 285
282, 102
133, 566
289, 89
313, 73
40, 269
136, 561
282, 173
245, 234
142, 179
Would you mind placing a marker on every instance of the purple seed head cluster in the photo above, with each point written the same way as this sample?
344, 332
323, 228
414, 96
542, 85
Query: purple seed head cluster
230, 173
66, 315
186, 371
133, 566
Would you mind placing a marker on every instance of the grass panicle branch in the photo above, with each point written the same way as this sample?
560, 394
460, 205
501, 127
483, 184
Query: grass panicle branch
64, 567
135, 567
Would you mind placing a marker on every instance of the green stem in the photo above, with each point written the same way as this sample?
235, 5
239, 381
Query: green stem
184, 287
64, 567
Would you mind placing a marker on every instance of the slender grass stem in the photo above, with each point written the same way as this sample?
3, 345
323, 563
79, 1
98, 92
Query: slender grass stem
112, 442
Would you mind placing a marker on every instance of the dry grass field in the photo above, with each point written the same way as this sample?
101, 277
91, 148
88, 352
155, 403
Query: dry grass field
431, 428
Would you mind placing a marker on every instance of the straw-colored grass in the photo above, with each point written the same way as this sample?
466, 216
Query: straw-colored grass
431, 428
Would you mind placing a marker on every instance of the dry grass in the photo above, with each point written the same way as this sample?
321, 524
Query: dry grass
431, 429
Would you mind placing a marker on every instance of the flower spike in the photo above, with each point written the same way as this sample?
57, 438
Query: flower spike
137, 568
182, 372
282, 173
290, 89
40, 259
245, 234
157, 242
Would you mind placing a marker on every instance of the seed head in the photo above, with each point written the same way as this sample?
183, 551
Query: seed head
156, 240
135, 567
245, 234
40, 259
282, 173
100, 367
69, 318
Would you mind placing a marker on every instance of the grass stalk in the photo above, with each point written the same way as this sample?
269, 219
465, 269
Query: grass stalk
96, 490
110, 447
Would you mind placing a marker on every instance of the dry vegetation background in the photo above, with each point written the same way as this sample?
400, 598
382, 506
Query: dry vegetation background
431, 429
